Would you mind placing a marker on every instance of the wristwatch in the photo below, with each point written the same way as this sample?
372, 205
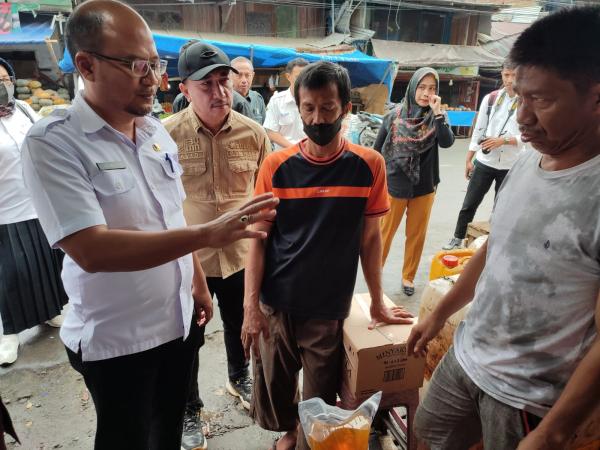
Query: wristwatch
506, 140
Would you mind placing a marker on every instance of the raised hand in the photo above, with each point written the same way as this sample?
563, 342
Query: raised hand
234, 225
435, 103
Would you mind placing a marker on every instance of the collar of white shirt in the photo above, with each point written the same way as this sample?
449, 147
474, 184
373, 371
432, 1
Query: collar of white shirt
288, 97
91, 122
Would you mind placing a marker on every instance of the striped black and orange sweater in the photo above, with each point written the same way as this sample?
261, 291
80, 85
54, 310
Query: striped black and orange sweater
312, 253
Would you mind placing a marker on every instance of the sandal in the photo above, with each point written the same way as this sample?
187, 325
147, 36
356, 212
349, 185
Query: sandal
408, 290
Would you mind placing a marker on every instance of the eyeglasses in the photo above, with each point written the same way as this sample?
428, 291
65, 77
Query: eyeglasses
8, 79
207, 85
139, 67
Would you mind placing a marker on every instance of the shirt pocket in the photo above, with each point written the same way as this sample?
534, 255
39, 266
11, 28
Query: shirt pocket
194, 167
118, 198
170, 182
241, 175
286, 119
108, 183
196, 180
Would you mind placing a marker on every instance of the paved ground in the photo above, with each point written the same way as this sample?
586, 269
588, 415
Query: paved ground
52, 409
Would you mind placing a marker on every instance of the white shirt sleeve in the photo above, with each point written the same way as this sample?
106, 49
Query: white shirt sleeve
62, 193
480, 125
513, 130
272, 116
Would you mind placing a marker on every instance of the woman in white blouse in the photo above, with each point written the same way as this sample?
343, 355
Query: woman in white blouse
31, 292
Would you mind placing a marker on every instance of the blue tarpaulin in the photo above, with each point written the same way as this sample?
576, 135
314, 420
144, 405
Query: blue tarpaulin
461, 118
364, 69
32, 33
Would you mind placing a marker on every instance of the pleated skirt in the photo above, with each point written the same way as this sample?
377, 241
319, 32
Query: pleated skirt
31, 290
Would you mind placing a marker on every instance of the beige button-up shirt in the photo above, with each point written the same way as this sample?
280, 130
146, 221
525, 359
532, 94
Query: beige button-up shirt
219, 172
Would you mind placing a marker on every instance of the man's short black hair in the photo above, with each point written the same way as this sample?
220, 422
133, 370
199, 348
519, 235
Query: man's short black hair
565, 42
297, 62
320, 74
84, 31
508, 65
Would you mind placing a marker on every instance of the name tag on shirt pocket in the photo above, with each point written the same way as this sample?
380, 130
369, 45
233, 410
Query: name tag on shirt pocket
113, 181
111, 165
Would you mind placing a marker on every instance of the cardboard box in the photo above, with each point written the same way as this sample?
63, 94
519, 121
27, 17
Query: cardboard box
476, 229
377, 360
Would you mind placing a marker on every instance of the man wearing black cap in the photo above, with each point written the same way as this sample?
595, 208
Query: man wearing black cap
220, 151
239, 102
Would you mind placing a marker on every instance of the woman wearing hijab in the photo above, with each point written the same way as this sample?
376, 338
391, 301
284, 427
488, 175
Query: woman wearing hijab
31, 292
408, 140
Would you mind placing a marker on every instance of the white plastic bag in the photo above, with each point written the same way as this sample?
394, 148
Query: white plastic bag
331, 428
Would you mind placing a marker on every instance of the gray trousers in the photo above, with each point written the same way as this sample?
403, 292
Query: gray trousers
455, 414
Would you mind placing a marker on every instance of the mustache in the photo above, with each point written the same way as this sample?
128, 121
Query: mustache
527, 130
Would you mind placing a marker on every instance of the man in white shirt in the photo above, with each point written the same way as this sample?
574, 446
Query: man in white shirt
105, 182
496, 144
283, 123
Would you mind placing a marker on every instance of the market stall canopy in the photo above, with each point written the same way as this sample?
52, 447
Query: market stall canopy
364, 69
32, 33
414, 54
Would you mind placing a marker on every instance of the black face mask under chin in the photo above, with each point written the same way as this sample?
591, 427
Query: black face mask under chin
323, 133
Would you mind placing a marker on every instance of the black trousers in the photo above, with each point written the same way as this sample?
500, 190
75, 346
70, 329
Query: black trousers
140, 398
230, 296
481, 180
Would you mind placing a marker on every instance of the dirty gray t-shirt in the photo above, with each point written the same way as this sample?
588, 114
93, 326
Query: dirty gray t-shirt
532, 318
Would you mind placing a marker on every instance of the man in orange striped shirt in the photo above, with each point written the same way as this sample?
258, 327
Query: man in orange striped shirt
299, 282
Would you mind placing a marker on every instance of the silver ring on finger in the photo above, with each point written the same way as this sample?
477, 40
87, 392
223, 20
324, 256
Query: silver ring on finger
245, 219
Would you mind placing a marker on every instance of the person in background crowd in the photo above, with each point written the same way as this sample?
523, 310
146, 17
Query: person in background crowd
181, 101
299, 282
496, 144
105, 182
6, 426
409, 138
242, 83
283, 122
31, 292
220, 151
523, 373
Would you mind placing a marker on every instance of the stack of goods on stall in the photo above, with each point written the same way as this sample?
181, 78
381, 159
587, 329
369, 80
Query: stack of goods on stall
32, 92
447, 107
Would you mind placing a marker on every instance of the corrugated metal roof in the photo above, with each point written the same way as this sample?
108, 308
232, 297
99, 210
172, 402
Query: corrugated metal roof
483, 6
414, 54
500, 47
330, 41
503, 29
518, 15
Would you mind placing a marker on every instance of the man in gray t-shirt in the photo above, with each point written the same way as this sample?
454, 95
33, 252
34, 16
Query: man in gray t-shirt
524, 369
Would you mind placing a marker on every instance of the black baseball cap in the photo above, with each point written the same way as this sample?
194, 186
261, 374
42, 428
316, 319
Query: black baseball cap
199, 59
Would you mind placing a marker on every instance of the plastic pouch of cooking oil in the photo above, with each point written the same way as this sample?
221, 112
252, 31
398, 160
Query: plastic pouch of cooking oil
331, 428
